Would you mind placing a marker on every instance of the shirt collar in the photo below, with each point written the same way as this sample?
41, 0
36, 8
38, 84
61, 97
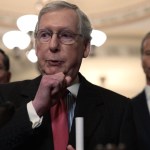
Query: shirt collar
74, 87
147, 92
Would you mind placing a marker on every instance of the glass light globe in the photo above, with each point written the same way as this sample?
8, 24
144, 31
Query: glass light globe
98, 38
32, 56
17, 39
27, 23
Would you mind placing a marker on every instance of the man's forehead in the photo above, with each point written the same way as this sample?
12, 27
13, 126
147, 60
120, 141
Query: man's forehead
59, 19
60, 14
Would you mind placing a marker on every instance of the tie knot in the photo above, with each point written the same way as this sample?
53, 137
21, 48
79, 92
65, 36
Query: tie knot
65, 93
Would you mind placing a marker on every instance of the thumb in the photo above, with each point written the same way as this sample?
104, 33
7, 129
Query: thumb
69, 147
68, 80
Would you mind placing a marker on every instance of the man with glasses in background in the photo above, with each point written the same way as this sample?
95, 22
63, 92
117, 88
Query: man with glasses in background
62, 40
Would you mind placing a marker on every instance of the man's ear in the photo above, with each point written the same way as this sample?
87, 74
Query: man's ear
35, 47
87, 50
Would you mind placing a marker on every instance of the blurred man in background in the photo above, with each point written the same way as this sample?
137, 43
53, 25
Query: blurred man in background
6, 108
141, 102
5, 74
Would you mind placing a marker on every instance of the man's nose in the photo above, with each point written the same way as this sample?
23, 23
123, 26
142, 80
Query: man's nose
54, 43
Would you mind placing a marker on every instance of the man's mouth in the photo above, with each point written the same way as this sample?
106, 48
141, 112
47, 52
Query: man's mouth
54, 62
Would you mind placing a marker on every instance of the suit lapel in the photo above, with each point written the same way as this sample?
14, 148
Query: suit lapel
30, 88
90, 107
142, 112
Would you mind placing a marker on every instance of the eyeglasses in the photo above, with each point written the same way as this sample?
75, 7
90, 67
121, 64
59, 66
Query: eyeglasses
64, 36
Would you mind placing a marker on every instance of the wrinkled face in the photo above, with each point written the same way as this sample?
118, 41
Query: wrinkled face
55, 56
146, 59
4, 75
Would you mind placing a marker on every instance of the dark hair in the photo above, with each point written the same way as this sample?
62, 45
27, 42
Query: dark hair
147, 36
5, 60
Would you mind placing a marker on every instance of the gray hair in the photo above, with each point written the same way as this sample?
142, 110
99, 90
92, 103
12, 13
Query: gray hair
84, 24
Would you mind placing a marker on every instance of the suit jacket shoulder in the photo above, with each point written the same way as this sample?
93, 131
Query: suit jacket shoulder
14, 91
142, 120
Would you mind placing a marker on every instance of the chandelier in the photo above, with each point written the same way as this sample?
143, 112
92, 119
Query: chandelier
22, 39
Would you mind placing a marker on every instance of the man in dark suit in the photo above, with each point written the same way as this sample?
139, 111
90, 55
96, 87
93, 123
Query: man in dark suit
141, 102
62, 40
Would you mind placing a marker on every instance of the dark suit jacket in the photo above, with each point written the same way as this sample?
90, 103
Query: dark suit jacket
103, 113
142, 120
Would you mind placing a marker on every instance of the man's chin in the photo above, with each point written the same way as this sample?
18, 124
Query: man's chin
51, 72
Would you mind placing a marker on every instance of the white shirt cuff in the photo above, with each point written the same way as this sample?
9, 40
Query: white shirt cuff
34, 118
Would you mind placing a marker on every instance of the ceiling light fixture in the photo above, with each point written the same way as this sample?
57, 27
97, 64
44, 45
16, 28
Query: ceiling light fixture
98, 37
16, 38
27, 23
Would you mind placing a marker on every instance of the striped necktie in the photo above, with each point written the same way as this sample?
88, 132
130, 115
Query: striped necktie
70, 104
